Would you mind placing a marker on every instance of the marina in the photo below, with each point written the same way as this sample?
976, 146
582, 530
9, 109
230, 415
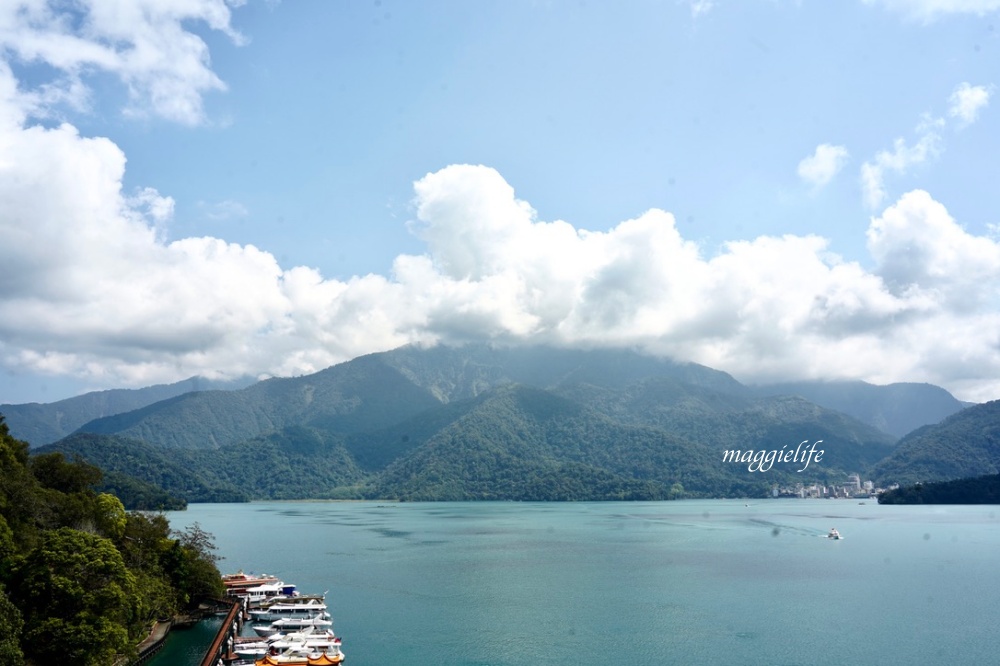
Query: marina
291, 629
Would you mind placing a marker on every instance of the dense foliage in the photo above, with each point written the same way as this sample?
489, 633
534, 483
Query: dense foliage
964, 445
174, 470
979, 490
81, 579
389, 424
656, 439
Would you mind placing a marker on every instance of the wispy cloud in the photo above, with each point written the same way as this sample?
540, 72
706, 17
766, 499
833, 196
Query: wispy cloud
223, 210
964, 106
967, 101
826, 162
164, 66
700, 7
898, 160
928, 10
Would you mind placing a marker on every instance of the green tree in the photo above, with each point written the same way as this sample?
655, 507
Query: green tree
145, 544
12, 623
111, 517
53, 471
18, 502
190, 563
78, 600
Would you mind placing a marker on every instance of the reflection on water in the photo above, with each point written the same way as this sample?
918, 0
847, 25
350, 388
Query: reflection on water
187, 647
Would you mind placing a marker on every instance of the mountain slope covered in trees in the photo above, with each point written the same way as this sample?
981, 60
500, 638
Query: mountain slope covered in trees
41, 424
896, 409
477, 423
964, 445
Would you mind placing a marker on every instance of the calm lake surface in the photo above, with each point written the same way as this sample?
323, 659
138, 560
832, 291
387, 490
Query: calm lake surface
687, 582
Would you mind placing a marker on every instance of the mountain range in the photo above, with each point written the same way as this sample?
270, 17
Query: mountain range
44, 423
481, 422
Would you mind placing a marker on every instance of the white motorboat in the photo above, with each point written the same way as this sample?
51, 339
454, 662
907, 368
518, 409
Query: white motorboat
256, 589
320, 621
305, 640
834, 534
293, 607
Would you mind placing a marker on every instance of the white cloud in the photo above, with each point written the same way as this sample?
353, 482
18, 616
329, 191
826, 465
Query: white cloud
826, 162
92, 289
920, 249
967, 101
164, 66
98, 294
700, 7
964, 105
930, 9
898, 161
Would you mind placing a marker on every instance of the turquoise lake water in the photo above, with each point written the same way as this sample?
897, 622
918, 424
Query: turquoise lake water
688, 582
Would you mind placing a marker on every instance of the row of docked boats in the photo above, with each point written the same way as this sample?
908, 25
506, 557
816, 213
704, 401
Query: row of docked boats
290, 629
309, 647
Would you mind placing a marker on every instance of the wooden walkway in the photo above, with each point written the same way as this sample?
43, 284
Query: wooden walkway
221, 650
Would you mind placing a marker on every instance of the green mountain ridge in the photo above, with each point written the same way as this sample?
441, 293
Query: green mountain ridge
480, 422
476, 423
897, 409
46, 423
964, 445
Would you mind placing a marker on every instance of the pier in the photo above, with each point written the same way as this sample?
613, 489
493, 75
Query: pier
220, 652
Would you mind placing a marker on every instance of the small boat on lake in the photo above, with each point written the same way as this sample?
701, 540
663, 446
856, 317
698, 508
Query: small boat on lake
834, 534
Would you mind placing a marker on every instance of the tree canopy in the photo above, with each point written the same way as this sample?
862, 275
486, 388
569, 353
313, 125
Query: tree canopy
82, 579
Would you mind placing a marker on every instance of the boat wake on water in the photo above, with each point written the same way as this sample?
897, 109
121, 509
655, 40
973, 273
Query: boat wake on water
779, 528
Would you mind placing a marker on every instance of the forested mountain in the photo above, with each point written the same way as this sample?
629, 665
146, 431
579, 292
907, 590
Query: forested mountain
45, 423
477, 423
966, 444
356, 396
81, 579
978, 490
450, 374
896, 409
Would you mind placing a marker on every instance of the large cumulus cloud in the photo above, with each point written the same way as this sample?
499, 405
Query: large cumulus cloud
95, 288
96, 291
767, 308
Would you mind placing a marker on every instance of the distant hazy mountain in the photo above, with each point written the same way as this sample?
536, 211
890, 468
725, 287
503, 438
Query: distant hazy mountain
478, 423
40, 424
894, 408
964, 445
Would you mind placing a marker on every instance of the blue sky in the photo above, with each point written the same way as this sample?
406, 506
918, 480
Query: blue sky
781, 190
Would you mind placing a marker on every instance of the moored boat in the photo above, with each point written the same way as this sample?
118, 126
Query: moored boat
293, 657
307, 640
293, 607
320, 621
256, 589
